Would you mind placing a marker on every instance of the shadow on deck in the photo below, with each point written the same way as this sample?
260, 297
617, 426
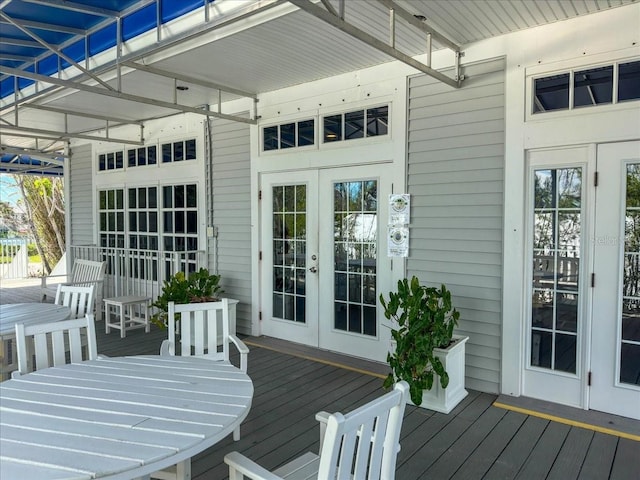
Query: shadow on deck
476, 441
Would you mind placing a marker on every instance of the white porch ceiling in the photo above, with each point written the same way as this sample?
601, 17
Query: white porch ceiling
274, 49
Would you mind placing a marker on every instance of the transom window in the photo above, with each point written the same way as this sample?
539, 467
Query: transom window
370, 122
110, 161
138, 157
578, 88
179, 151
288, 135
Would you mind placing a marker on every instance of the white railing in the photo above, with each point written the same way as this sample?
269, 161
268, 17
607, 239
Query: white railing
139, 272
16, 250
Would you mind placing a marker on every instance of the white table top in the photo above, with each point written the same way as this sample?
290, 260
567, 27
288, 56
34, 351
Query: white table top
29, 314
118, 417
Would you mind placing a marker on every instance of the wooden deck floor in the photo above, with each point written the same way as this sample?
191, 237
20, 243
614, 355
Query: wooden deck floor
476, 441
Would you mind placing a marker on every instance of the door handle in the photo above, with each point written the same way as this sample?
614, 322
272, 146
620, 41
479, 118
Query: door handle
313, 269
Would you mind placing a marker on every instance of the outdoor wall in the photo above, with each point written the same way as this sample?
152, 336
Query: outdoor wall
229, 198
80, 190
455, 177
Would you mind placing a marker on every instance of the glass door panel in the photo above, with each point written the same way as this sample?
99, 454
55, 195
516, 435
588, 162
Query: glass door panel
289, 218
555, 273
630, 338
355, 256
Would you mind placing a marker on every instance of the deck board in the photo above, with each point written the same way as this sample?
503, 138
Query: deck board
477, 440
600, 455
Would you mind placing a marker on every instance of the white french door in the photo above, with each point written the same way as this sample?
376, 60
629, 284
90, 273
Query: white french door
289, 250
324, 258
583, 323
615, 333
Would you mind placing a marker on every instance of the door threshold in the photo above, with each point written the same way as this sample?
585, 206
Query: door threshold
590, 419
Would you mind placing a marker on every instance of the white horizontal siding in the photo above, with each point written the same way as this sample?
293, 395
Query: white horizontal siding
81, 196
230, 197
455, 175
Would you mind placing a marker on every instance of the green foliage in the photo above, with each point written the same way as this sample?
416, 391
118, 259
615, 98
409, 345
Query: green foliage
425, 319
200, 286
32, 250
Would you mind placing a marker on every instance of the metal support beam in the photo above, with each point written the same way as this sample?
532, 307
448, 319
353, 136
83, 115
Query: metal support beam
56, 158
35, 137
420, 25
48, 26
76, 7
55, 50
122, 96
65, 111
372, 41
188, 79
66, 135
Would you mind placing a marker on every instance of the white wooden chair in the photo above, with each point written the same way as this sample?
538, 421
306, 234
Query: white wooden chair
204, 331
52, 341
83, 273
78, 299
362, 444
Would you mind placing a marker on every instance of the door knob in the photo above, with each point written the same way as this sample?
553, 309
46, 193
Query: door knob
313, 269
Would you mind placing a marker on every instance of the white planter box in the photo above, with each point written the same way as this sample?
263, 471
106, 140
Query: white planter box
444, 400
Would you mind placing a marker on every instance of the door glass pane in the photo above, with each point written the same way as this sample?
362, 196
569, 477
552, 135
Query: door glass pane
355, 256
557, 230
630, 341
289, 226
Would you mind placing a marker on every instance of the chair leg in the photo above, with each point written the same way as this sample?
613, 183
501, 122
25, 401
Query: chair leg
183, 470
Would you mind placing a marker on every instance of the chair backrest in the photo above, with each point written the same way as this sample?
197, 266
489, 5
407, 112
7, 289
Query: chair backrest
78, 299
52, 341
87, 271
204, 328
364, 443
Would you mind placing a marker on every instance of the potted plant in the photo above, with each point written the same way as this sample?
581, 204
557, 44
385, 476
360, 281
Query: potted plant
427, 354
199, 286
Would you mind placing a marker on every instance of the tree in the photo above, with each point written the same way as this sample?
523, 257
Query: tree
43, 202
9, 221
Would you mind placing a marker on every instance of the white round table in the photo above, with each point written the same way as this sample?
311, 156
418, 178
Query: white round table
28, 314
118, 417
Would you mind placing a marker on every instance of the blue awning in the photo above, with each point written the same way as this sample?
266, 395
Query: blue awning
26, 164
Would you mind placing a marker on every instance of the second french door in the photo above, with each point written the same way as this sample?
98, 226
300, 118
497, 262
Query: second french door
583, 325
323, 258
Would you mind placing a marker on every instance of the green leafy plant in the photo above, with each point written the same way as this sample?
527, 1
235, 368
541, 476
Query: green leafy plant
425, 320
200, 286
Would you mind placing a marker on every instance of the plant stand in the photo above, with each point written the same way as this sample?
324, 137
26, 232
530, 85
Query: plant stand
444, 400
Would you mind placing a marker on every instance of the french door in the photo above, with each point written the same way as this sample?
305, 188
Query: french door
583, 323
615, 356
324, 258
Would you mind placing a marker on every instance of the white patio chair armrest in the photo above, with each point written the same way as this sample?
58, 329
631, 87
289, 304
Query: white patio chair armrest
82, 283
322, 418
243, 349
43, 279
167, 347
240, 465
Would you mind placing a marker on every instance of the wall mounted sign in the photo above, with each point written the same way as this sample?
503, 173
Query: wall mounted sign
398, 226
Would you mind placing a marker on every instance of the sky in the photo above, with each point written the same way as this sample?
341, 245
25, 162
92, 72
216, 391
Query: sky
8, 190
